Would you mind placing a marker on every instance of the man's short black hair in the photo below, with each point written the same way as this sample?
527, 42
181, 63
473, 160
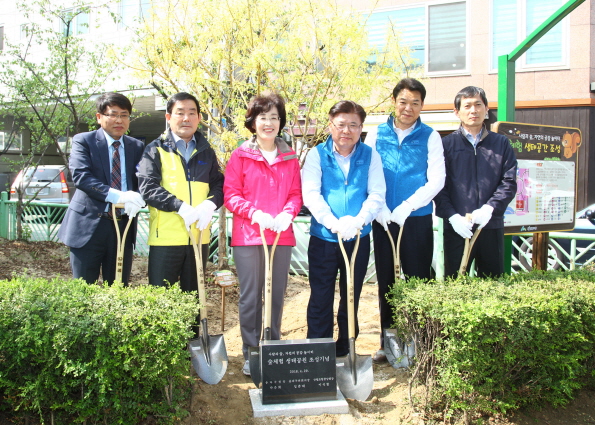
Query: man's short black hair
410, 84
347, 107
178, 97
113, 99
470, 91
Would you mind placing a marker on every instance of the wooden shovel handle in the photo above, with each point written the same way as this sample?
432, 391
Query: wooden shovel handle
268, 277
350, 272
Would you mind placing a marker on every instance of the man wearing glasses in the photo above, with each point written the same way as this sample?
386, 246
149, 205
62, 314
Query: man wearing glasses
413, 164
343, 187
180, 179
103, 166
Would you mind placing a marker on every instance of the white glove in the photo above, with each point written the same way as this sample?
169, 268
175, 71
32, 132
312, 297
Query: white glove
400, 214
264, 220
205, 213
132, 201
348, 226
282, 222
330, 222
461, 225
482, 216
189, 214
384, 217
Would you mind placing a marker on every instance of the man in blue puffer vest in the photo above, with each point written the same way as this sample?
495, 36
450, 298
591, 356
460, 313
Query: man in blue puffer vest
344, 189
413, 163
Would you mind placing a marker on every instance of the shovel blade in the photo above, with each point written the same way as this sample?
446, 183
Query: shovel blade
209, 360
355, 379
397, 352
254, 359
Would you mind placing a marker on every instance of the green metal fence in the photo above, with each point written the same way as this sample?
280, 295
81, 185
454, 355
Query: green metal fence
42, 221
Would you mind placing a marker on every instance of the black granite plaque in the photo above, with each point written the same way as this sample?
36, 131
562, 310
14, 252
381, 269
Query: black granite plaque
299, 370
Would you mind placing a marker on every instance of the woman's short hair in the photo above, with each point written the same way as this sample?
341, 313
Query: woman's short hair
264, 103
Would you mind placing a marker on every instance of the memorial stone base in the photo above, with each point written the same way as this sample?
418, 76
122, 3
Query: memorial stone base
309, 408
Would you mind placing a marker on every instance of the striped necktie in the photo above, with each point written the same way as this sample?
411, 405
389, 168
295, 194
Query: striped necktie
116, 177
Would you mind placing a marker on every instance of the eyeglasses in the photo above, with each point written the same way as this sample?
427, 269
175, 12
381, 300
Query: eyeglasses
113, 116
343, 126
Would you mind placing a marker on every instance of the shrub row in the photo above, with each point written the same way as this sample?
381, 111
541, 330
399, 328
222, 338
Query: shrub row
78, 352
490, 346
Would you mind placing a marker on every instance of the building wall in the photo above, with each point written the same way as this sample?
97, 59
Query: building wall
535, 86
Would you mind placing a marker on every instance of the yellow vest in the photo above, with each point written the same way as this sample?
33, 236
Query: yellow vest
167, 228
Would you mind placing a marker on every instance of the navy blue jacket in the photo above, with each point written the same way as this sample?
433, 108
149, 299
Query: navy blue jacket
477, 176
89, 166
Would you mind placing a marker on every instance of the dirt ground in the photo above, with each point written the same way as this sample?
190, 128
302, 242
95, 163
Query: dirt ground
228, 402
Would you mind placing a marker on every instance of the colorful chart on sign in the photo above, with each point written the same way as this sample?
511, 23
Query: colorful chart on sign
545, 194
546, 177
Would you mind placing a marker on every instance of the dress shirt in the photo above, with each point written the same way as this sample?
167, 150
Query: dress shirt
312, 184
436, 173
474, 140
112, 196
184, 148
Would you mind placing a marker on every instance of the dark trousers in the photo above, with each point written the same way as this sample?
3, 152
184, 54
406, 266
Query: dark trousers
100, 253
170, 264
325, 261
488, 252
417, 247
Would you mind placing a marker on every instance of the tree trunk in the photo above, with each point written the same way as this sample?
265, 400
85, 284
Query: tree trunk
223, 263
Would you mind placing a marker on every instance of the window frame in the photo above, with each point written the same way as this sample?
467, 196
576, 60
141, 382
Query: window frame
426, 6
12, 149
75, 22
137, 17
521, 27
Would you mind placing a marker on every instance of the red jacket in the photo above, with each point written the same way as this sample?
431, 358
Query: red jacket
252, 184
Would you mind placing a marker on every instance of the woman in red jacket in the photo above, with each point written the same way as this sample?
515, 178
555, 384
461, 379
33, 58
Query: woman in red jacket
263, 190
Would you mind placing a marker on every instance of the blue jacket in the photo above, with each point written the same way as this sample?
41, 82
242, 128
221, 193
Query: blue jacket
345, 196
405, 165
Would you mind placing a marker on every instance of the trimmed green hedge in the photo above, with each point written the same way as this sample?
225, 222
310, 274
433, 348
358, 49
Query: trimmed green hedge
490, 346
83, 352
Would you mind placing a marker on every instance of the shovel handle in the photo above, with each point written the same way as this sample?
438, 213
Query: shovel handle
350, 271
268, 278
120, 241
200, 277
468, 247
396, 252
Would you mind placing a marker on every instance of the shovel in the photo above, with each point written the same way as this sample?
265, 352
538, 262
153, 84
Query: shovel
354, 372
207, 352
121, 242
394, 347
254, 352
467, 251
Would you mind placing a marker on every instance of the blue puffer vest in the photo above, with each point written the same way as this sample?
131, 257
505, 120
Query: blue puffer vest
345, 196
406, 165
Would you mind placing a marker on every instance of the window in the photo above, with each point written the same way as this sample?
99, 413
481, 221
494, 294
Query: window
447, 37
65, 143
11, 142
513, 20
24, 31
435, 33
74, 22
133, 11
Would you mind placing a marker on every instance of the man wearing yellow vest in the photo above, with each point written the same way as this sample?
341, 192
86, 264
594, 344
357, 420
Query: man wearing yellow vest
180, 179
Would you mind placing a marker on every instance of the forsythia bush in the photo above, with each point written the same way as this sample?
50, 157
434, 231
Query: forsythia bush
490, 346
76, 352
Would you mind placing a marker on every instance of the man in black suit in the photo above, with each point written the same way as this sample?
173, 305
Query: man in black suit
103, 166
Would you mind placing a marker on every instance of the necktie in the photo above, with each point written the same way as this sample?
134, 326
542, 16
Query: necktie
116, 177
